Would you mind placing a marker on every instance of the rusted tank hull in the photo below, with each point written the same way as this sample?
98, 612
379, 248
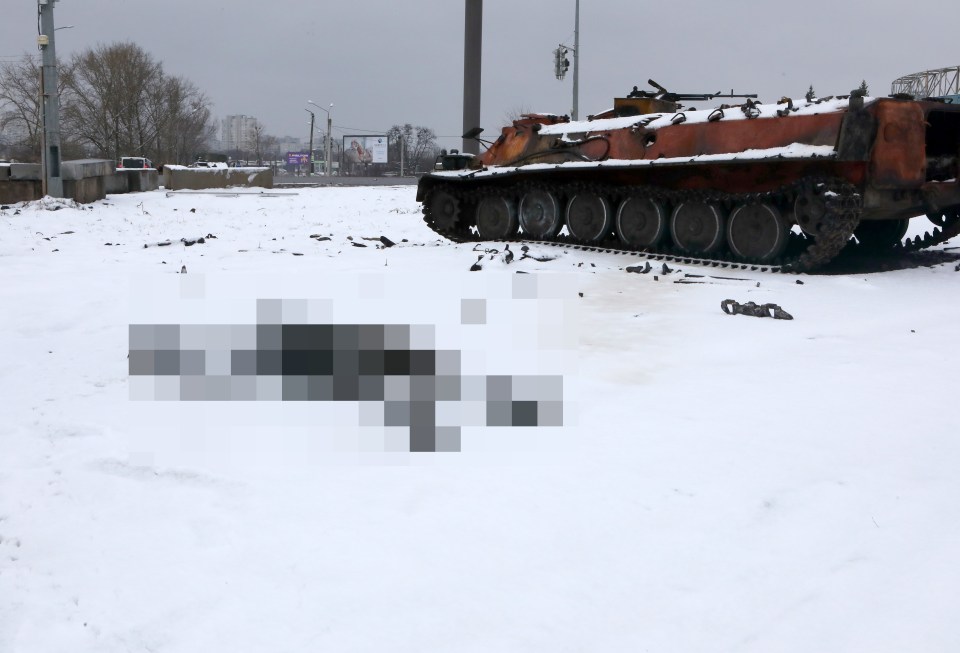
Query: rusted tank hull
891, 154
747, 175
735, 176
524, 143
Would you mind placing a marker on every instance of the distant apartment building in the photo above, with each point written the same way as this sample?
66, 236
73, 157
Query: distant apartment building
291, 144
238, 133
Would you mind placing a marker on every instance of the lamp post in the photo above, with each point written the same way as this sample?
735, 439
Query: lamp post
50, 156
561, 63
575, 114
328, 167
310, 155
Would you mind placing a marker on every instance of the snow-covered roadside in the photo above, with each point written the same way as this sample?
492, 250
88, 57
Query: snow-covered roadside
722, 483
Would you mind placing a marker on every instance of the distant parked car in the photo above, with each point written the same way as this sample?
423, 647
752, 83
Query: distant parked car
134, 162
208, 164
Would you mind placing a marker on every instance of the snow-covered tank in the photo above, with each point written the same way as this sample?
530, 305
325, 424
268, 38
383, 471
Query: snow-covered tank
785, 184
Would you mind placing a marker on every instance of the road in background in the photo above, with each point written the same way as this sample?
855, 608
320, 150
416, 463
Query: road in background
293, 180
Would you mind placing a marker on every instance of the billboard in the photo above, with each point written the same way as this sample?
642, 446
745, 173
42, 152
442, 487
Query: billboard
298, 158
359, 151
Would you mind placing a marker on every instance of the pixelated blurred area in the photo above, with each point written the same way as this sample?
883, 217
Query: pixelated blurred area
394, 372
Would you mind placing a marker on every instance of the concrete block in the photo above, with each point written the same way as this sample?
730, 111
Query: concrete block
85, 190
25, 171
183, 178
117, 183
12, 191
84, 168
143, 180
133, 181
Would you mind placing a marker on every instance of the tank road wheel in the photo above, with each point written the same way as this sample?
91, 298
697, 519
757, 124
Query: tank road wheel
589, 218
496, 217
757, 232
880, 235
697, 227
810, 209
444, 209
540, 213
641, 222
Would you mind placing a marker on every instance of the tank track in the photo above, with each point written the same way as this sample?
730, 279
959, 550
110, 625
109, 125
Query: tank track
948, 228
841, 199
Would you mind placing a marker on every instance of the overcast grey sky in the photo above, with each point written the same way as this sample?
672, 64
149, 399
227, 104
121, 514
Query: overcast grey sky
383, 62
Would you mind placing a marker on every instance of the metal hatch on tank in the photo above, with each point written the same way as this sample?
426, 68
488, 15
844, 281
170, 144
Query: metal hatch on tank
785, 185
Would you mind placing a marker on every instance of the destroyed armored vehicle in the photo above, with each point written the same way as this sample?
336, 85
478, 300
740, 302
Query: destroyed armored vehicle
784, 185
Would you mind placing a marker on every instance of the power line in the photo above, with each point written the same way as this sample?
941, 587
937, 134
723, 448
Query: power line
357, 129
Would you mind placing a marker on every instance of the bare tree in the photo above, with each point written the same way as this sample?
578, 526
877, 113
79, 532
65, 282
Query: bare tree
257, 133
20, 100
119, 101
419, 145
269, 147
183, 121
20, 107
109, 98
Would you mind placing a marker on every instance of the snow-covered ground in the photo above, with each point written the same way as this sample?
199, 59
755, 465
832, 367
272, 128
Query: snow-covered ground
719, 483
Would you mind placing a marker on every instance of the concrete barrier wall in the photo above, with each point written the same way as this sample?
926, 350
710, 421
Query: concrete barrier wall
184, 178
25, 171
86, 168
86, 190
117, 184
139, 181
20, 190
19, 182
132, 181
88, 180
84, 180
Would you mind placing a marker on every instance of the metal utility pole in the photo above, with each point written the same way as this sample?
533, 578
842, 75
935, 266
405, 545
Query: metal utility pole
329, 170
576, 64
472, 50
312, 120
561, 63
49, 81
328, 166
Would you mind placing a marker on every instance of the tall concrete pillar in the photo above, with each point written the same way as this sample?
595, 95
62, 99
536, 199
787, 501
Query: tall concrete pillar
50, 158
472, 50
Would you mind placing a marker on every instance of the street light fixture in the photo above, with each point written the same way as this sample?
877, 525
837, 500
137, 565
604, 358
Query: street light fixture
561, 63
329, 168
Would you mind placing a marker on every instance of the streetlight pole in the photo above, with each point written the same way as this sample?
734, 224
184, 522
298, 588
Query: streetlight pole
561, 63
576, 63
329, 166
329, 142
49, 81
310, 154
